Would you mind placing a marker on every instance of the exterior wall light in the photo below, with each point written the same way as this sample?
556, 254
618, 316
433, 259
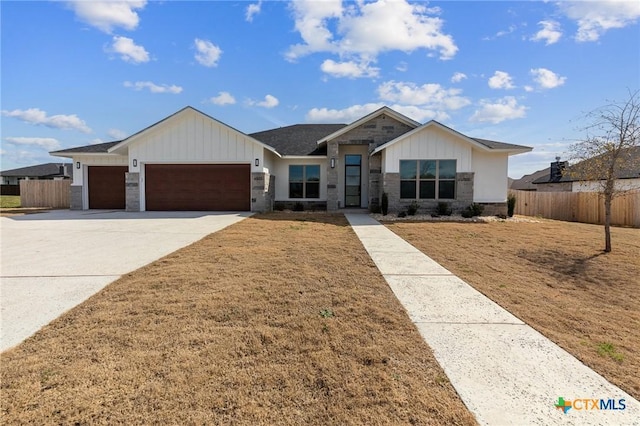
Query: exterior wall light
257, 162
333, 162
135, 163
77, 165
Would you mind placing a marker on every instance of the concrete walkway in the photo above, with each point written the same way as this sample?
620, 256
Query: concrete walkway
505, 372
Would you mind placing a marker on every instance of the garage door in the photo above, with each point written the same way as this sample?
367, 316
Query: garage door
106, 187
209, 187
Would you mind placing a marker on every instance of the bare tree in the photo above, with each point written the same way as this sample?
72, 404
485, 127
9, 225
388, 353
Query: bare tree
608, 150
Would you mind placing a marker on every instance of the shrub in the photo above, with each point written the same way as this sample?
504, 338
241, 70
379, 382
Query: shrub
511, 204
413, 208
443, 209
385, 204
474, 209
374, 208
298, 207
402, 214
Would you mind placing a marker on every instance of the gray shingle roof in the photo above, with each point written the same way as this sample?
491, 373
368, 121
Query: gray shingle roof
40, 170
99, 148
499, 145
299, 139
630, 171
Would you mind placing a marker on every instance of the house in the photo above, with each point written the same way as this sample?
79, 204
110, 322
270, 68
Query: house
565, 178
525, 183
191, 161
55, 171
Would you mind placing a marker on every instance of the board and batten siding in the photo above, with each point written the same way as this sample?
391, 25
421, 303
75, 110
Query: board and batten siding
490, 181
194, 138
429, 144
94, 160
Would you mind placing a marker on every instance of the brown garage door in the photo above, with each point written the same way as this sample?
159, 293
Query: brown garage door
209, 187
106, 187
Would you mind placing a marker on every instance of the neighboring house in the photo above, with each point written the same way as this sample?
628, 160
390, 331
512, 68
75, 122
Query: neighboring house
191, 161
562, 177
55, 171
525, 183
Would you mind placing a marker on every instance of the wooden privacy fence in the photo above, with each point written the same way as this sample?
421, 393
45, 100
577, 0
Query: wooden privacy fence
587, 207
45, 193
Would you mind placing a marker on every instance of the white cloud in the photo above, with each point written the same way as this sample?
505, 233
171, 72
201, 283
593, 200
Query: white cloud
596, 18
402, 66
349, 69
223, 98
458, 77
252, 10
128, 50
355, 112
95, 141
106, 15
501, 80
116, 134
37, 116
428, 96
547, 79
358, 29
153, 88
501, 33
208, 53
268, 102
550, 32
506, 108
50, 144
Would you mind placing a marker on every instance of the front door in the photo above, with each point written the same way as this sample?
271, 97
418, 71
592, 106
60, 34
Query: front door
352, 180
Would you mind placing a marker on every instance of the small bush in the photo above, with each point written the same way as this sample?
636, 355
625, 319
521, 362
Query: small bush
511, 204
443, 209
413, 208
384, 207
298, 207
402, 214
374, 208
474, 209
501, 216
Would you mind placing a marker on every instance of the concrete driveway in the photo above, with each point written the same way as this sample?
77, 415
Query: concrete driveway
50, 262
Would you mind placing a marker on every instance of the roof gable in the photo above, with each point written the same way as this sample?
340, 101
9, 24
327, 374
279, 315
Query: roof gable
382, 111
120, 148
482, 144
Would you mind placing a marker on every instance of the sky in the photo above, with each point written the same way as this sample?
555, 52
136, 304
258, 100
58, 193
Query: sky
75, 73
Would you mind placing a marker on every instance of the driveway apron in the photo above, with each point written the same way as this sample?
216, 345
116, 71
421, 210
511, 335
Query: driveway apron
50, 262
505, 371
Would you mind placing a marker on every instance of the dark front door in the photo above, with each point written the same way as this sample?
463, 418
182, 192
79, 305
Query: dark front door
352, 180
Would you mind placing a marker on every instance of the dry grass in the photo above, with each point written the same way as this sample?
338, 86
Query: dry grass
280, 319
554, 276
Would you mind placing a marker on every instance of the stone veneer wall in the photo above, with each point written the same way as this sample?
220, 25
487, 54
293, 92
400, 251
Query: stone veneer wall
464, 195
132, 191
375, 181
262, 192
76, 197
333, 195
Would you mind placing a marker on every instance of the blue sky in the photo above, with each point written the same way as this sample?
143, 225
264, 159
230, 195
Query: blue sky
82, 72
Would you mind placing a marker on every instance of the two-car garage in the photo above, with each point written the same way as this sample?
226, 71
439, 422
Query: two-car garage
187, 187
195, 187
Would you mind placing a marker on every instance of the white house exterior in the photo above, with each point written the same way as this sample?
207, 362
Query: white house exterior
190, 161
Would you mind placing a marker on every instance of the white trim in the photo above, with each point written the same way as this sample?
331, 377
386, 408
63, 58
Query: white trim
449, 130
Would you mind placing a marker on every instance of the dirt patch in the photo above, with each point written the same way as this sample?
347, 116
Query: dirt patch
280, 319
554, 276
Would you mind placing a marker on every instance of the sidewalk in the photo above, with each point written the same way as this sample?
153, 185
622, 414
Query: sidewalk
505, 372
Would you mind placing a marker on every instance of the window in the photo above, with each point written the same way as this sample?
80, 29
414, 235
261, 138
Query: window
428, 179
304, 181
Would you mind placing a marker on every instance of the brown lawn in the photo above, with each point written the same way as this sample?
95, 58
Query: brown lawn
554, 276
280, 319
